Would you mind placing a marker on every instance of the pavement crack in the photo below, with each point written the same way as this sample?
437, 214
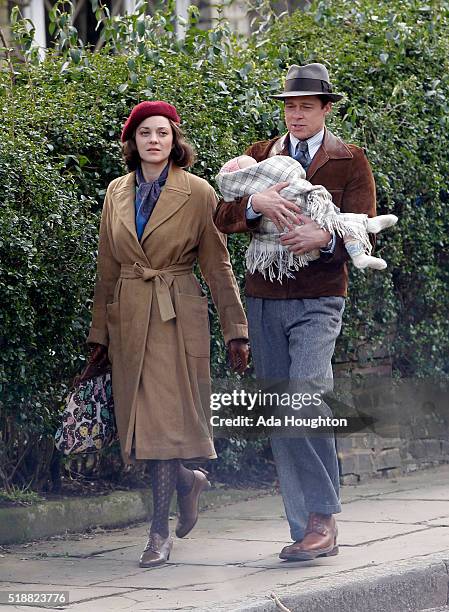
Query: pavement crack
252, 519
413, 499
248, 541
378, 496
97, 597
386, 538
90, 555
387, 522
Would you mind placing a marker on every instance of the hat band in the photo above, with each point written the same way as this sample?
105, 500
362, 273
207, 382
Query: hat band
307, 85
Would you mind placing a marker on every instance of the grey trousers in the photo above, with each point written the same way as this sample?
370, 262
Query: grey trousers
294, 340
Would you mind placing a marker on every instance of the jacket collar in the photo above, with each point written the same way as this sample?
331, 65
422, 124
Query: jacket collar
173, 197
332, 147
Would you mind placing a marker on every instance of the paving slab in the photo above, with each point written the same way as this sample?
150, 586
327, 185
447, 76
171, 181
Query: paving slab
75, 572
380, 509
78, 546
430, 493
251, 509
201, 551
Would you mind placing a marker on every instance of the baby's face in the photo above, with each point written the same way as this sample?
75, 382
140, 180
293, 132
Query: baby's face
245, 161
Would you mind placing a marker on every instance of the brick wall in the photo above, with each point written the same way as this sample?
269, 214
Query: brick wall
417, 437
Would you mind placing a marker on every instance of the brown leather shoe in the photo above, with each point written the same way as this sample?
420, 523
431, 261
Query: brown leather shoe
320, 540
157, 551
188, 504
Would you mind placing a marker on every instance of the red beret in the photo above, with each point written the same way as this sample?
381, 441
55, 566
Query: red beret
147, 109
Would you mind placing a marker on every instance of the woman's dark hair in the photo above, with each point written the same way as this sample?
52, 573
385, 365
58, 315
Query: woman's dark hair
182, 153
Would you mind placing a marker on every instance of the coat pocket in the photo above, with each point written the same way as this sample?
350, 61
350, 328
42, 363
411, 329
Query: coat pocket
113, 325
193, 317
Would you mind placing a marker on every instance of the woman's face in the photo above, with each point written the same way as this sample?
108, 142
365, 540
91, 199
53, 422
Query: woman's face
154, 140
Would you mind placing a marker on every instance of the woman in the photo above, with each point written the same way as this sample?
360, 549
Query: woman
151, 319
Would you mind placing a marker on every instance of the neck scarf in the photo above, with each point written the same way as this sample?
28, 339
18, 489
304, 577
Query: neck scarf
147, 194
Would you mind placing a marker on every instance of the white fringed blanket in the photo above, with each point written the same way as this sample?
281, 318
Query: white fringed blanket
265, 253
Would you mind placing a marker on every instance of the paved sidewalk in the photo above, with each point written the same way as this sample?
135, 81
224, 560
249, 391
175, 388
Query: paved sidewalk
392, 532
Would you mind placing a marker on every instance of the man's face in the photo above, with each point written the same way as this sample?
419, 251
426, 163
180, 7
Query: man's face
304, 115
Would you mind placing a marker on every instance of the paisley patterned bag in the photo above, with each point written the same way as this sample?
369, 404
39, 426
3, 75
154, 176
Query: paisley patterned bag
88, 422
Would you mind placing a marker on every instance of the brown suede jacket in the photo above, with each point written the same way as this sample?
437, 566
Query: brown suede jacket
345, 172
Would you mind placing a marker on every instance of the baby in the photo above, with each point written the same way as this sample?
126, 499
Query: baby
243, 176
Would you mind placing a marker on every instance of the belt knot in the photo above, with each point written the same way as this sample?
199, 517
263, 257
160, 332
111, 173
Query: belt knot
146, 274
162, 280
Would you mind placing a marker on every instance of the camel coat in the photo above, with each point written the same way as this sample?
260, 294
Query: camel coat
150, 312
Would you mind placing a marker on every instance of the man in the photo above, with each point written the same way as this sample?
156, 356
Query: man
294, 324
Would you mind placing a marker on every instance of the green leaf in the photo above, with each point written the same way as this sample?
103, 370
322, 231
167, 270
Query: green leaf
75, 54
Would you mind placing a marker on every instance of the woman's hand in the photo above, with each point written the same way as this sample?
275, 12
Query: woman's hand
96, 362
238, 354
98, 355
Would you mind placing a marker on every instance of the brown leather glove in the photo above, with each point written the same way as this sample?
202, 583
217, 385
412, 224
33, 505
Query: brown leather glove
238, 354
97, 363
98, 355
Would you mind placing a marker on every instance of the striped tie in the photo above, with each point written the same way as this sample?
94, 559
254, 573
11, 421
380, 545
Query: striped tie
302, 154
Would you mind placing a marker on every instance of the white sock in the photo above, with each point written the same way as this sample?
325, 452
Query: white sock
366, 261
377, 224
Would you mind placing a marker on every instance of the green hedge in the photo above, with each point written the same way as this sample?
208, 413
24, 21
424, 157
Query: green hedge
59, 148
47, 247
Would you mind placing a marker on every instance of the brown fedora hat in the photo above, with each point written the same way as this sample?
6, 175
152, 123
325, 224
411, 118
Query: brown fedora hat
309, 80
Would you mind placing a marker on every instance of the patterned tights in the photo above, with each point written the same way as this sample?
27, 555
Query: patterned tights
166, 476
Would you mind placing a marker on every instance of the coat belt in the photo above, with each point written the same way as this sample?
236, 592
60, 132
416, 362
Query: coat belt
162, 280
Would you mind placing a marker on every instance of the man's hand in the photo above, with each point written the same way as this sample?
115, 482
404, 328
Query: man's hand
304, 238
282, 212
238, 355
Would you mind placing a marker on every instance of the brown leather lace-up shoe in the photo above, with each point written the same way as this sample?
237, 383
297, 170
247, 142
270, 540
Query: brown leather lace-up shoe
188, 504
320, 540
157, 551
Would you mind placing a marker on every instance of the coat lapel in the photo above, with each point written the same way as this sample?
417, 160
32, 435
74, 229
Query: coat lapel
124, 196
331, 148
320, 158
173, 196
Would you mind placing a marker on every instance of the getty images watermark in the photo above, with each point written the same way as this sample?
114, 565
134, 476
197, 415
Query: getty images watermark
261, 399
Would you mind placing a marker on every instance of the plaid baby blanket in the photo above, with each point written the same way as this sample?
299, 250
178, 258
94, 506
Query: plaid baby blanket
265, 253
